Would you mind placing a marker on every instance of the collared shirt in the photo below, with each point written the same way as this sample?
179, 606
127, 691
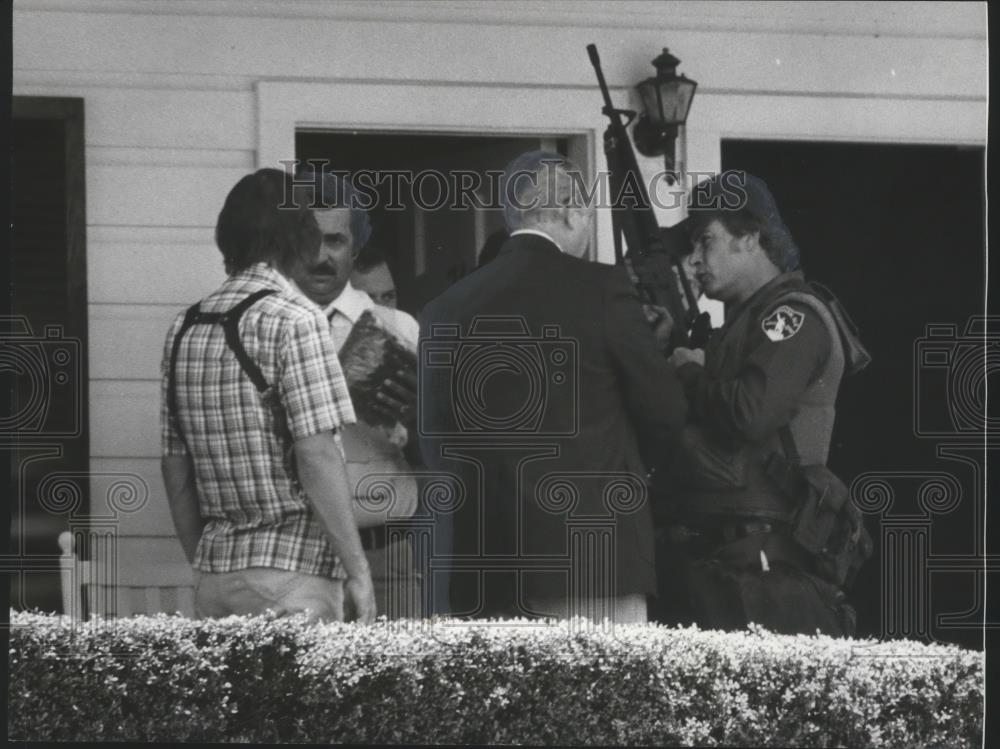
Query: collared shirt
540, 234
345, 310
256, 513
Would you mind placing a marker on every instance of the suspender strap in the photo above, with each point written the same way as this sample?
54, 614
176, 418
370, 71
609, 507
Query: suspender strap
231, 325
230, 321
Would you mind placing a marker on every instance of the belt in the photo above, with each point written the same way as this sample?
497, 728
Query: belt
724, 532
373, 538
733, 531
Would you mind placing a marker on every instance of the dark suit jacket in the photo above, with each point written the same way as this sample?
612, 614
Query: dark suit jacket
542, 387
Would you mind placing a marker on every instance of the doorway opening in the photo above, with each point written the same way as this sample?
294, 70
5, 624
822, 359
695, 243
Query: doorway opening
434, 197
44, 342
898, 233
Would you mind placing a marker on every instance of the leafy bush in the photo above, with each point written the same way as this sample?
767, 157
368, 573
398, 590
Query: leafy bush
263, 679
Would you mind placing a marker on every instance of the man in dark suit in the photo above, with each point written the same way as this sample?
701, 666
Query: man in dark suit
542, 387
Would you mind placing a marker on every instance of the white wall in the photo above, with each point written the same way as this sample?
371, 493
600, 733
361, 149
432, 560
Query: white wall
180, 102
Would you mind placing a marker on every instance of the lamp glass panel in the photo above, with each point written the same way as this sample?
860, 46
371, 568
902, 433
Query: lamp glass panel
676, 95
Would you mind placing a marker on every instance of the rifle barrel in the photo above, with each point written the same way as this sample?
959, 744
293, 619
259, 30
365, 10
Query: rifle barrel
595, 60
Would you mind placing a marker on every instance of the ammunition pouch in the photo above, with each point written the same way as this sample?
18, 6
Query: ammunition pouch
825, 523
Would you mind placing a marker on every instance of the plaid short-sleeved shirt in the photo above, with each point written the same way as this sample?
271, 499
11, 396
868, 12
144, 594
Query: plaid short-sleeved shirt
255, 512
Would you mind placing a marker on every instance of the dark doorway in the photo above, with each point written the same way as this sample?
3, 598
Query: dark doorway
898, 232
430, 232
43, 346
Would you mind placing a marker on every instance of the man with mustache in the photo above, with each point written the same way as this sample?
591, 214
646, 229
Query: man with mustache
371, 450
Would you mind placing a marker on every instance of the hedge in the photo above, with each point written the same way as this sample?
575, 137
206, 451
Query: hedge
260, 679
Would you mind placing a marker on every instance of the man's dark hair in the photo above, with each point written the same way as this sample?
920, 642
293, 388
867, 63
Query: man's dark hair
743, 204
370, 257
778, 245
258, 223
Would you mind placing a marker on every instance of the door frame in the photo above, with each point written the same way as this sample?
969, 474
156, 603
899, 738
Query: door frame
283, 107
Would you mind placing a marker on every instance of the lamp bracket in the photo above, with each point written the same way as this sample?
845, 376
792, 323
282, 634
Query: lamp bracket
629, 114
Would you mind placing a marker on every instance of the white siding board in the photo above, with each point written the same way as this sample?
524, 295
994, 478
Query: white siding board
145, 272
126, 341
186, 157
124, 419
156, 118
153, 517
158, 195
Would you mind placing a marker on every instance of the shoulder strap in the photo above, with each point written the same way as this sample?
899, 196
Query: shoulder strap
834, 364
856, 356
231, 325
230, 321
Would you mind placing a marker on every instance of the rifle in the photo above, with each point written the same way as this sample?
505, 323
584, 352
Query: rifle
652, 251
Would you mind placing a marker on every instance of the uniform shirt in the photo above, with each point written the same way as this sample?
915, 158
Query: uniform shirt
764, 369
757, 366
256, 513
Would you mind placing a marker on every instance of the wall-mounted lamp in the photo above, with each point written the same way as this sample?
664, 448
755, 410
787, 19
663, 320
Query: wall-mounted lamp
666, 99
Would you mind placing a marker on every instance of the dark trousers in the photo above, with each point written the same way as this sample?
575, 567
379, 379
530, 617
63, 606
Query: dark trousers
725, 586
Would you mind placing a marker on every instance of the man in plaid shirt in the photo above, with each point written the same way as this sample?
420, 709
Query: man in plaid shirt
256, 482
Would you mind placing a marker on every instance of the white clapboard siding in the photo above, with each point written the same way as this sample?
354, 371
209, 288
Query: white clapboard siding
268, 47
124, 418
954, 19
152, 518
126, 340
156, 118
157, 195
149, 272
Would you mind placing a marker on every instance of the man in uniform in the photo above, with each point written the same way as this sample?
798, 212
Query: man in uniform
764, 389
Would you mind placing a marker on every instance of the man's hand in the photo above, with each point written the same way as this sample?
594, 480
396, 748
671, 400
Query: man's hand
396, 398
323, 475
662, 322
682, 356
359, 603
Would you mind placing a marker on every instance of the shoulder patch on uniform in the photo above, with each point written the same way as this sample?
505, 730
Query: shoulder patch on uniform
783, 323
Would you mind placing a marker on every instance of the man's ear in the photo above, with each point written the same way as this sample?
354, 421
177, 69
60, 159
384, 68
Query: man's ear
750, 242
575, 215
